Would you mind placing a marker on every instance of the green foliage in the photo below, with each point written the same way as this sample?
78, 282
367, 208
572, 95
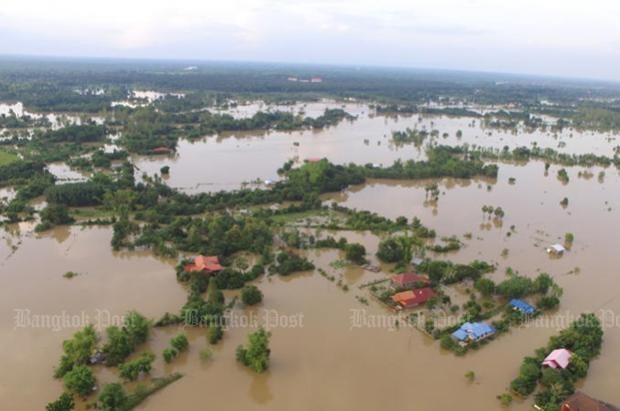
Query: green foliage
391, 250
548, 302
86, 133
52, 215
568, 239
527, 380
6, 157
215, 334
505, 399
169, 354
485, 286
516, 286
123, 341
148, 129
215, 295
447, 342
63, 403
118, 346
77, 350
75, 194
179, 342
16, 171
355, 252
583, 338
542, 283
563, 176
130, 371
256, 355
288, 263
112, 398
414, 136
229, 279
250, 295
80, 380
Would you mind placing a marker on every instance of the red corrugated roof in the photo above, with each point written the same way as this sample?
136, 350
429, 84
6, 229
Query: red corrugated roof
413, 297
209, 264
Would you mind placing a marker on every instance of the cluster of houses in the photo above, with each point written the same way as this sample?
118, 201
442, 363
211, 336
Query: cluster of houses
418, 291
477, 331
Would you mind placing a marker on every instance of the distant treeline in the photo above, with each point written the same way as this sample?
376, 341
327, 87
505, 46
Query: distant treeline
68, 85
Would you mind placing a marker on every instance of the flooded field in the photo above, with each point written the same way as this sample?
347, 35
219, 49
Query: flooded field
227, 161
321, 357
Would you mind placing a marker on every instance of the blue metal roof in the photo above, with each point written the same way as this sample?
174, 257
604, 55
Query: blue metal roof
474, 331
460, 335
522, 306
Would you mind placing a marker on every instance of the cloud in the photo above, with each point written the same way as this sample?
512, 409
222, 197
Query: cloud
553, 36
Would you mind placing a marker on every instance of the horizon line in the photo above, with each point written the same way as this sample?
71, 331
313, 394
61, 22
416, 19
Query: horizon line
171, 60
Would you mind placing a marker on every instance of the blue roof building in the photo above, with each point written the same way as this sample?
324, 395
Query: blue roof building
522, 306
473, 332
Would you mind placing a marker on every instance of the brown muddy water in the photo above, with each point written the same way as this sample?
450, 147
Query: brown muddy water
231, 160
321, 358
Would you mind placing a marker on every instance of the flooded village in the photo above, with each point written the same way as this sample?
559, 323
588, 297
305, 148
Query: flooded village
391, 252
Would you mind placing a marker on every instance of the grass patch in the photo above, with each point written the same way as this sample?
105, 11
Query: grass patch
7, 158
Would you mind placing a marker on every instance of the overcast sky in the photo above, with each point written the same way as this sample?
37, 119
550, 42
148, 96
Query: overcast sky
554, 37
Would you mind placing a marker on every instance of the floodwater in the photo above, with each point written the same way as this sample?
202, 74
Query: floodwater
40, 308
321, 358
57, 120
230, 160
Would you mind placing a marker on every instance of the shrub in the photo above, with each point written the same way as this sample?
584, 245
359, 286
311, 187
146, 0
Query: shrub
250, 295
112, 398
215, 334
179, 342
256, 355
77, 350
80, 380
132, 369
169, 354
356, 253
63, 403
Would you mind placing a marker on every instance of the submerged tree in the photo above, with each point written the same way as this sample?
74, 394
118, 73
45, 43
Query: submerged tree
256, 355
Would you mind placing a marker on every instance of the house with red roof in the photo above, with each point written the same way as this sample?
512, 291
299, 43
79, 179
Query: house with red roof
206, 264
409, 280
413, 298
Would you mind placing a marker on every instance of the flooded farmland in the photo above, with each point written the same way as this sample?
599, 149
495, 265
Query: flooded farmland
321, 358
227, 161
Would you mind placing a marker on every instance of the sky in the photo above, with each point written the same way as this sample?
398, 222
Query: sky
568, 38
